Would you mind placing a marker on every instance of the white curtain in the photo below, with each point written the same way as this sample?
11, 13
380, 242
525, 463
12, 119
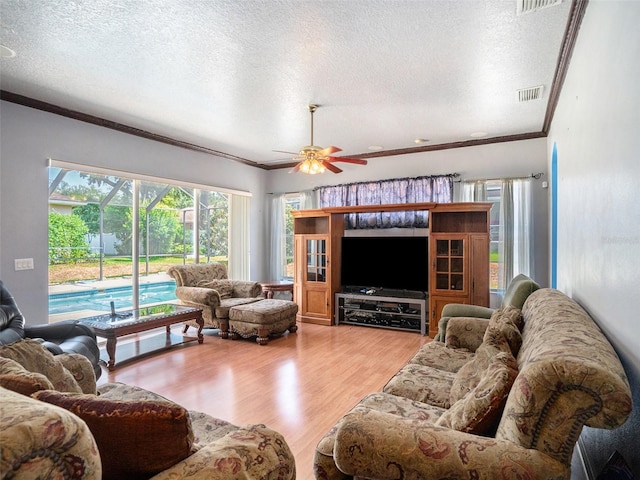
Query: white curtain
277, 262
277, 231
308, 200
515, 222
239, 245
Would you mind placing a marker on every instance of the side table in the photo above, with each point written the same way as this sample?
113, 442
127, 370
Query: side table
271, 286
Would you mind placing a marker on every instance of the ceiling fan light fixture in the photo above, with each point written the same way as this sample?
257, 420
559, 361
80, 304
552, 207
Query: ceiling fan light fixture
312, 166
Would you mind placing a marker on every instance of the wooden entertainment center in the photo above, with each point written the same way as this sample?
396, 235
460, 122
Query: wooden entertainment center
458, 257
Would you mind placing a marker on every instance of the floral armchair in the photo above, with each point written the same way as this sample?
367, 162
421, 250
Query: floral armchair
206, 286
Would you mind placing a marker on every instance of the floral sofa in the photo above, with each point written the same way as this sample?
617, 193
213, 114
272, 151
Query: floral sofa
55, 423
511, 406
206, 286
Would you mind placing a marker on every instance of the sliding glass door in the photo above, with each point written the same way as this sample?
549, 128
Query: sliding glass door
112, 239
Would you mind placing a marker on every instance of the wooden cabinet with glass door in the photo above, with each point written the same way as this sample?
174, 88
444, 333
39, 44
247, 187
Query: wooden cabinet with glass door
459, 244
317, 264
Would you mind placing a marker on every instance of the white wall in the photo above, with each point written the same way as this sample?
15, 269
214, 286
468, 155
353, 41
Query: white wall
29, 137
596, 129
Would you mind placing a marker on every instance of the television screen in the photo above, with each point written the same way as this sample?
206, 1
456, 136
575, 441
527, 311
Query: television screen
396, 263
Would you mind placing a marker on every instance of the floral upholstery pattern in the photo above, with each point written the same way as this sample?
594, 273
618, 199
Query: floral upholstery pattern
424, 384
438, 355
263, 319
479, 409
570, 376
465, 332
566, 375
371, 444
16, 378
324, 465
35, 357
44, 441
194, 288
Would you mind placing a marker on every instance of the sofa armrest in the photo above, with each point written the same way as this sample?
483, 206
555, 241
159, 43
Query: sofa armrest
373, 444
254, 451
40, 440
459, 310
463, 310
198, 296
246, 288
465, 332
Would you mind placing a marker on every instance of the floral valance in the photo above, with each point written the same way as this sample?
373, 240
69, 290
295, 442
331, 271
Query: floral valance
437, 189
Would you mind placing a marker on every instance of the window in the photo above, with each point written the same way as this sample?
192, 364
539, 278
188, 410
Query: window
92, 230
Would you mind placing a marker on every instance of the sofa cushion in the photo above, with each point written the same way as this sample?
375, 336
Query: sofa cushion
136, 439
469, 375
34, 357
223, 287
479, 411
222, 311
424, 384
437, 355
15, 377
509, 321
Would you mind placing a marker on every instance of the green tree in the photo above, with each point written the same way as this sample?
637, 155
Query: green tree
67, 238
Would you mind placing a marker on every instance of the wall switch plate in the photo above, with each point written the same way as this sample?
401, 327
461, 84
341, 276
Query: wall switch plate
23, 263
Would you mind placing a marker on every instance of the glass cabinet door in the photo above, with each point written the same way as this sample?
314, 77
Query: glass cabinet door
450, 274
316, 259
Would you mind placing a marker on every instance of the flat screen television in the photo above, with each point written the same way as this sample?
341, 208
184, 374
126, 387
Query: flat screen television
394, 263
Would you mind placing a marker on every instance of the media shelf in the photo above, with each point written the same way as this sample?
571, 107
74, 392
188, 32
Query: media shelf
399, 313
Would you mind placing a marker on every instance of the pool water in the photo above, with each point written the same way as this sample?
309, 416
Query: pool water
100, 299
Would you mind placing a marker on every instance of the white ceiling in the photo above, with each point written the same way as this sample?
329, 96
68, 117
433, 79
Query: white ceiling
236, 76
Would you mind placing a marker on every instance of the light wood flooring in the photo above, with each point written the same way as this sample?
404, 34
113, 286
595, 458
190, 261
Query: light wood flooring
299, 384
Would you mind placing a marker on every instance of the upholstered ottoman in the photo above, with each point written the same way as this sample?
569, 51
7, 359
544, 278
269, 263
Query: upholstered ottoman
263, 319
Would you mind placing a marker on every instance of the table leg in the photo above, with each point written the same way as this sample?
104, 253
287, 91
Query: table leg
111, 351
200, 323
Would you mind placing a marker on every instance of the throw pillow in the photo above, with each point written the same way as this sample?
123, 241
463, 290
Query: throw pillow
223, 287
509, 322
14, 376
480, 410
136, 439
468, 376
35, 357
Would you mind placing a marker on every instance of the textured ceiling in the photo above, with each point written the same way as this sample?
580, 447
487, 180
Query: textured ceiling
237, 76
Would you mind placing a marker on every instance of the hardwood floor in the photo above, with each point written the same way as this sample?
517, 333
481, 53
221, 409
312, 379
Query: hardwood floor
299, 384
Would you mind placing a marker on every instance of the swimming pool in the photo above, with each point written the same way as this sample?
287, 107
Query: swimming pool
100, 299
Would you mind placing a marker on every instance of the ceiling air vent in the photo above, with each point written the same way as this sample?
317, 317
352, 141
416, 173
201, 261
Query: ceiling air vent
529, 94
528, 6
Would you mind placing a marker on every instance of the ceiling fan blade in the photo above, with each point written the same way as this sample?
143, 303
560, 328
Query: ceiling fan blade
328, 151
331, 167
357, 161
296, 168
283, 151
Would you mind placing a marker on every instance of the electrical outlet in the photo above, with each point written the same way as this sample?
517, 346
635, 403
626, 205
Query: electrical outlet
23, 263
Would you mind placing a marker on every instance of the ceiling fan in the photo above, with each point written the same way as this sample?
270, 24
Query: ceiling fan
313, 159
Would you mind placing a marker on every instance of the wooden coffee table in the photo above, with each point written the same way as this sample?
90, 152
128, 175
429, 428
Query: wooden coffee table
140, 320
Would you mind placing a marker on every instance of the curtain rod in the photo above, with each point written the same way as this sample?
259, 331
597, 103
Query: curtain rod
535, 176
